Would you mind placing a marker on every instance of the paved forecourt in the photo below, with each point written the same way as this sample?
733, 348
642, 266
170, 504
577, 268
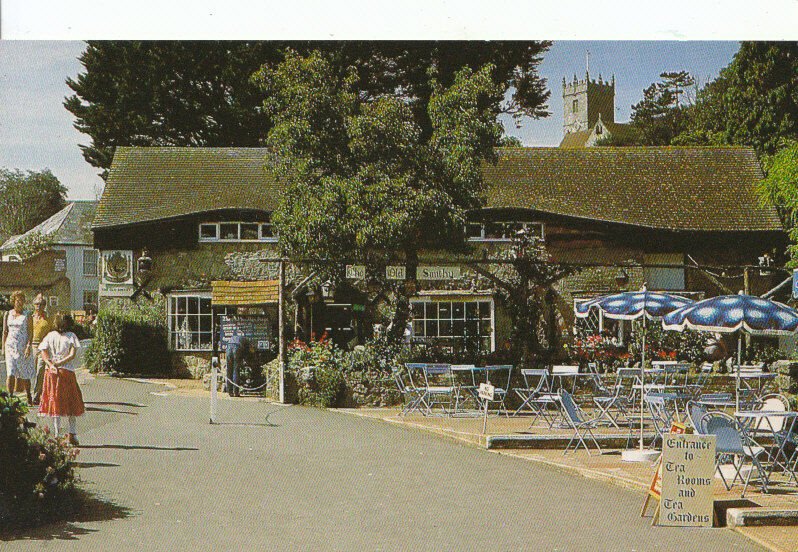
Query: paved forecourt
286, 478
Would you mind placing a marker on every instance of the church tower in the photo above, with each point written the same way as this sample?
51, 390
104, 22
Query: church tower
584, 100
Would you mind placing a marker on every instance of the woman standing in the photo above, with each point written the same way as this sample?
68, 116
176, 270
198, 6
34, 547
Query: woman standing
17, 335
61, 395
41, 327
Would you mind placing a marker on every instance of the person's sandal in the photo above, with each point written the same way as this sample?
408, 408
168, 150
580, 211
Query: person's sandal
72, 440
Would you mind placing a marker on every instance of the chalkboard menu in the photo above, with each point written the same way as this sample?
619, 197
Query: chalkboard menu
256, 329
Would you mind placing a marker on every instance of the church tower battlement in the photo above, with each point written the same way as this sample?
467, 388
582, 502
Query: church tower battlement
584, 100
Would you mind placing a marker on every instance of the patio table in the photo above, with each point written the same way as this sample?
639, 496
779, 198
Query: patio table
781, 438
560, 372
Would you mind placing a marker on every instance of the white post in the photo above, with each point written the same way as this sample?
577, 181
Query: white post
281, 330
737, 377
642, 379
214, 385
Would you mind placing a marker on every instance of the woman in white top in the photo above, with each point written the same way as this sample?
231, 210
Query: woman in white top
17, 335
61, 395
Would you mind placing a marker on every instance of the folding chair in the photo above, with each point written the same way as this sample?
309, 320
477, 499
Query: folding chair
695, 412
465, 384
439, 387
416, 391
661, 414
500, 393
694, 389
411, 395
575, 419
618, 399
733, 442
535, 396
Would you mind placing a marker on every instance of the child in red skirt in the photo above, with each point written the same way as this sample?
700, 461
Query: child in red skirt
61, 395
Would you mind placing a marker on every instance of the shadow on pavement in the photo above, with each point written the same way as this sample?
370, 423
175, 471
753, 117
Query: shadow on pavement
86, 508
111, 403
95, 409
95, 465
246, 424
136, 447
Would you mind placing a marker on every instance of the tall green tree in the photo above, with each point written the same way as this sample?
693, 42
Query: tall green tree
362, 179
660, 115
781, 188
753, 102
28, 198
176, 93
201, 94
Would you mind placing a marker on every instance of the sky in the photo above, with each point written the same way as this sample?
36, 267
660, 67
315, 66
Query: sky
37, 132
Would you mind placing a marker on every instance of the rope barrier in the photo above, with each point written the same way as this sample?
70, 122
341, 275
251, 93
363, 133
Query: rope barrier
242, 388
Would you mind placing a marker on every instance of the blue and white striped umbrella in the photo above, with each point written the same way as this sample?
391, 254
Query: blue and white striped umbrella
732, 313
631, 305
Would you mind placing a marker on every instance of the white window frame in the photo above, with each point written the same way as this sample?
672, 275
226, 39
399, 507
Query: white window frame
525, 224
171, 318
95, 264
218, 239
459, 299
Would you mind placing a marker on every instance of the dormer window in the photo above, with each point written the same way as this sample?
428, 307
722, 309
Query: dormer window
237, 232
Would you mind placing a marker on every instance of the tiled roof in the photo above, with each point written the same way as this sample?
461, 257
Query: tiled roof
576, 139
232, 293
703, 189
69, 226
146, 184
42, 270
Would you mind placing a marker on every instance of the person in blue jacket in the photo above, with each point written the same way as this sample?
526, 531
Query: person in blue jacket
236, 345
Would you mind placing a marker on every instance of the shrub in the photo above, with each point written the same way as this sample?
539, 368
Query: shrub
368, 372
131, 338
316, 370
37, 476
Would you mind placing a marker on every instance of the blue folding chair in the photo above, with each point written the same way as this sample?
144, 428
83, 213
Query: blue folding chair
575, 419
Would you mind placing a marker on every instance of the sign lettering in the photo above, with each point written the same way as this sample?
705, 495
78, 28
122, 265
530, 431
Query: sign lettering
356, 272
395, 272
438, 273
688, 466
486, 391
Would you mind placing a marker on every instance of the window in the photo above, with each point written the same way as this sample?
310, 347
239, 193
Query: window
89, 298
190, 322
575, 106
90, 260
454, 322
209, 232
669, 277
501, 231
236, 232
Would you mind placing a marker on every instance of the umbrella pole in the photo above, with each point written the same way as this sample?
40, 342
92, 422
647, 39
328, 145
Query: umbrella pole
739, 361
642, 379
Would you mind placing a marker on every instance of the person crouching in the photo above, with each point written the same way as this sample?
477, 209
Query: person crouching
61, 395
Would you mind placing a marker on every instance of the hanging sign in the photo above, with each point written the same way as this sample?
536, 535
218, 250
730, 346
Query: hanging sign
395, 272
438, 273
356, 272
117, 273
688, 467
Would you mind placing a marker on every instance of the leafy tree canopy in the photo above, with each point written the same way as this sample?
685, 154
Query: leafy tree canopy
361, 175
660, 115
781, 188
26, 199
753, 102
201, 94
